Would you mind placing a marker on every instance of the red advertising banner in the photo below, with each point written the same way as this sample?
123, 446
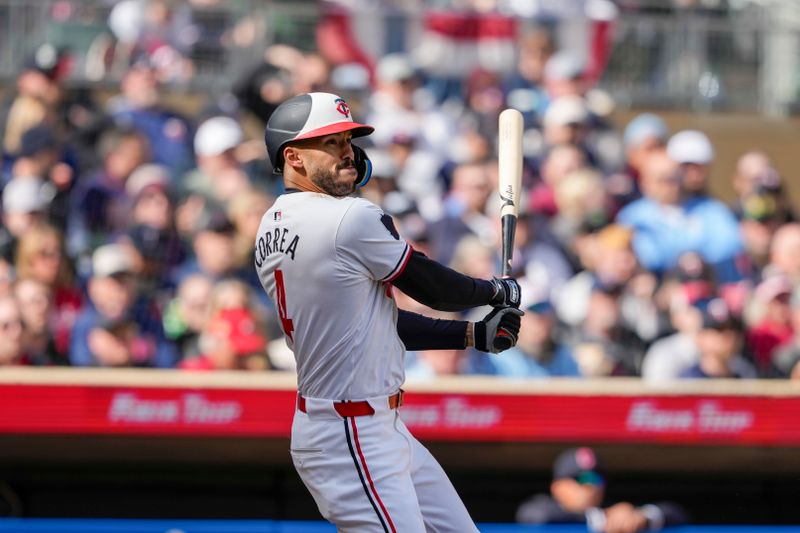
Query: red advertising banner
690, 419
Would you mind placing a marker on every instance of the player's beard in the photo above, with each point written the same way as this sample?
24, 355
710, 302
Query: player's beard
330, 182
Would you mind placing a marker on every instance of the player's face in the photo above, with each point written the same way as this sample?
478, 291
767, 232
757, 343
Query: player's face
330, 164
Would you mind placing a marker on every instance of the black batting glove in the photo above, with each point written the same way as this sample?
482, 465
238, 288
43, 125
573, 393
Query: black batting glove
506, 292
498, 330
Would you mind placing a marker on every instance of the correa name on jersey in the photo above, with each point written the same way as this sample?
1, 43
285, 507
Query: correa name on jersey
273, 241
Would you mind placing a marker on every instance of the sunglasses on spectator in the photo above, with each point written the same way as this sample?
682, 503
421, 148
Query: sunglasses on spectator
590, 478
49, 253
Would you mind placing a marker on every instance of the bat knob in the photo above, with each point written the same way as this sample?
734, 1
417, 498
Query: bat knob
502, 341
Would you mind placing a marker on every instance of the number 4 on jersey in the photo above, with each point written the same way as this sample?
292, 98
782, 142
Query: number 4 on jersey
286, 322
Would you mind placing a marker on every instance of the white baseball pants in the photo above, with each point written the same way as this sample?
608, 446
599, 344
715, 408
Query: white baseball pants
369, 474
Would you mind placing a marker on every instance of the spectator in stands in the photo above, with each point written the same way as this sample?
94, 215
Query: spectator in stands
643, 135
167, 133
24, 208
559, 162
154, 242
563, 75
41, 258
483, 102
186, 315
582, 208
405, 122
787, 357
785, 253
666, 223
36, 309
100, 202
568, 117
567, 121
262, 88
41, 154
118, 328
12, 346
607, 259
245, 211
309, 71
37, 96
538, 353
756, 178
693, 152
670, 357
6, 277
212, 247
392, 103
471, 257
760, 217
718, 345
537, 255
218, 176
577, 495
230, 341
233, 336
525, 91
686, 289
426, 365
601, 344
769, 324
465, 212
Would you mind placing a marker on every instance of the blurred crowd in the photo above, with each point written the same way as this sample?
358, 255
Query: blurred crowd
128, 225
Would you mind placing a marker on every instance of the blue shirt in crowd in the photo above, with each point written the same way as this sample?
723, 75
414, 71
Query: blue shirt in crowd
515, 363
701, 224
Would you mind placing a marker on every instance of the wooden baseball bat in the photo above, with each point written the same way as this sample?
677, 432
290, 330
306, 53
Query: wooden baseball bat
510, 181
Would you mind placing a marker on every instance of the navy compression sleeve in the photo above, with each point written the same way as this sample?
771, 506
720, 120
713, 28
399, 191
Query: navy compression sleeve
442, 288
420, 332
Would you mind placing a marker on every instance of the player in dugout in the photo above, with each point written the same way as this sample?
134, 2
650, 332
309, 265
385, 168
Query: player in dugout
328, 260
578, 493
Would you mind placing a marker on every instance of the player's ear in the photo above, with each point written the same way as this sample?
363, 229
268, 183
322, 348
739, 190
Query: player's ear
291, 157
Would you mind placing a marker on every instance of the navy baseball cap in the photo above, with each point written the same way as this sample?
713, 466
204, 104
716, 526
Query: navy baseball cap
37, 139
716, 314
580, 464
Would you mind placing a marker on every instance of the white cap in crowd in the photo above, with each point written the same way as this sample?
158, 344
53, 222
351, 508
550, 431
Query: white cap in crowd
145, 176
564, 65
24, 195
217, 135
690, 146
111, 259
566, 110
395, 67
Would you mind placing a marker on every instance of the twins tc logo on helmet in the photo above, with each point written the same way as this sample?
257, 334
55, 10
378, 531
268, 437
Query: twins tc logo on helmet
342, 107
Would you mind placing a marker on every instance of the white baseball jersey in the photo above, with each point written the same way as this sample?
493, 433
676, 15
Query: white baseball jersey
326, 263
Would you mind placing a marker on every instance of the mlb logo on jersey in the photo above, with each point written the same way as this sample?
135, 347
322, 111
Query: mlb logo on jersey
277, 216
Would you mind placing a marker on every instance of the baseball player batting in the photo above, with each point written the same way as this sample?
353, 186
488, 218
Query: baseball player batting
328, 261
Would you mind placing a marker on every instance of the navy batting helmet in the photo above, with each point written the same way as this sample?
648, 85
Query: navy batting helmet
311, 115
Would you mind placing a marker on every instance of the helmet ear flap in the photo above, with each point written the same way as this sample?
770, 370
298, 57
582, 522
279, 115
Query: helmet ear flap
363, 166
